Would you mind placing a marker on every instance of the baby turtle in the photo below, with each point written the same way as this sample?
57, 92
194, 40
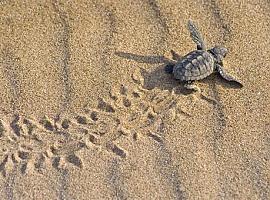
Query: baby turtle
198, 64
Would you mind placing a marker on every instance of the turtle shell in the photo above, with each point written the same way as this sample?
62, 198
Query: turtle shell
196, 65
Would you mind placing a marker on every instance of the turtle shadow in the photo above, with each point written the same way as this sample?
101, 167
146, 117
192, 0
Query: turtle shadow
143, 59
228, 84
159, 78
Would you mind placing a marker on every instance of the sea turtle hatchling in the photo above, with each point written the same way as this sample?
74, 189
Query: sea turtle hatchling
198, 64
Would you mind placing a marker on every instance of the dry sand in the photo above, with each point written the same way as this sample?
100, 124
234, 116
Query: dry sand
87, 111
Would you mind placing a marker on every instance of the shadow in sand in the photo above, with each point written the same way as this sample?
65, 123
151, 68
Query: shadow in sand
221, 81
228, 84
158, 78
143, 59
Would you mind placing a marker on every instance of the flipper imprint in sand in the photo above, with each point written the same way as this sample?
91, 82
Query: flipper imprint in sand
33, 144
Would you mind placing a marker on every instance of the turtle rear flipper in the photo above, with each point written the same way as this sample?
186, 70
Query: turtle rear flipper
191, 86
196, 36
176, 56
169, 68
226, 76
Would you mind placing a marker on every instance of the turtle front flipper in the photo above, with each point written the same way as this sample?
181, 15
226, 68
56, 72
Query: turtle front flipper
226, 76
196, 36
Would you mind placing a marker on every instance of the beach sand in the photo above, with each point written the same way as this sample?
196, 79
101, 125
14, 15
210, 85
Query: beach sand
87, 111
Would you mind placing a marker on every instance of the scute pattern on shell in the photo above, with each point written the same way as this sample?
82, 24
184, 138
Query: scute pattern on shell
196, 65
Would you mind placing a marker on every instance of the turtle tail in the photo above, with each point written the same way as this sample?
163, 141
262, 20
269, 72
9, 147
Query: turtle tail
169, 68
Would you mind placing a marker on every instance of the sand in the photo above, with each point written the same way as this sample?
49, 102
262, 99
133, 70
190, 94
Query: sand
87, 112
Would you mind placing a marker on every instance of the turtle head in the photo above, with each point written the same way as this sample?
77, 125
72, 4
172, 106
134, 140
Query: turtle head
219, 53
